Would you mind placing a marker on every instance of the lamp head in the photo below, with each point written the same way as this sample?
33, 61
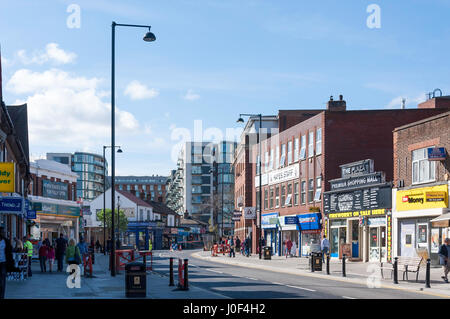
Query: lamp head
149, 36
119, 150
240, 120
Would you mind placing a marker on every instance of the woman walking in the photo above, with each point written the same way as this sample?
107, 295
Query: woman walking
50, 257
43, 251
73, 255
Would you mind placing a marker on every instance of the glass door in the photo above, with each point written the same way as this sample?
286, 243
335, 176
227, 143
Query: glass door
355, 238
334, 242
374, 245
382, 236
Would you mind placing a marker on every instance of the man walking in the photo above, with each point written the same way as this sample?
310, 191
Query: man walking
231, 243
247, 246
325, 247
238, 244
6, 260
28, 246
61, 245
444, 251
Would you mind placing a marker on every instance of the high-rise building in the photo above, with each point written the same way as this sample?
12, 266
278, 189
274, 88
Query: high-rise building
147, 188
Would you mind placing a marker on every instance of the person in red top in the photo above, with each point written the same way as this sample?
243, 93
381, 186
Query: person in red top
288, 247
50, 257
43, 256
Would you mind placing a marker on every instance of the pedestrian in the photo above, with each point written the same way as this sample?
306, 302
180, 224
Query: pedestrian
28, 246
444, 251
324, 247
288, 247
73, 255
18, 246
98, 246
247, 246
294, 249
61, 244
43, 252
238, 244
6, 260
108, 245
82, 247
231, 242
50, 257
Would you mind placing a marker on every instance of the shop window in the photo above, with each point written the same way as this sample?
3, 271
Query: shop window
303, 148
296, 194
310, 190
303, 192
277, 196
318, 141
296, 149
423, 170
283, 195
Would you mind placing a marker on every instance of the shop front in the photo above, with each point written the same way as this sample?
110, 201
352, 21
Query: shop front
419, 221
310, 226
12, 216
141, 234
288, 230
269, 224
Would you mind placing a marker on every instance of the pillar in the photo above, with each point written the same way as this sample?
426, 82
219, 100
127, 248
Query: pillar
365, 244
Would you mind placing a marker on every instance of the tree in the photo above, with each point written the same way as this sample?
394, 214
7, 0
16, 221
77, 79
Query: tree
123, 219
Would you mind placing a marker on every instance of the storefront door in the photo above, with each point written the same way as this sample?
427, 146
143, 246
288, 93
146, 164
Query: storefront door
374, 244
355, 238
407, 238
338, 236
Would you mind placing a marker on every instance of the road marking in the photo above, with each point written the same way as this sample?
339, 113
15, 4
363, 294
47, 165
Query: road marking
215, 271
300, 288
251, 278
348, 297
277, 283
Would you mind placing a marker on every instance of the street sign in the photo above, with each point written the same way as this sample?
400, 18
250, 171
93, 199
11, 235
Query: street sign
250, 213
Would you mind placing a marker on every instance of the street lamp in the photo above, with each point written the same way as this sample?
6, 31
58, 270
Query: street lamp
104, 191
149, 37
241, 120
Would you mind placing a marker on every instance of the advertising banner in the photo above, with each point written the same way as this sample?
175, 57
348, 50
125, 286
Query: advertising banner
57, 190
7, 177
422, 198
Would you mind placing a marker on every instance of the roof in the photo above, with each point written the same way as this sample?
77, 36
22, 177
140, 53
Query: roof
53, 166
191, 221
133, 198
162, 208
19, 117
428, 119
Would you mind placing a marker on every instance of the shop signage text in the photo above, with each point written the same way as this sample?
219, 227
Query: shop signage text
360, 181
357, 168
422, 198
55, 209
436, 154
269, 220
279, 176
11, 204
7, 178
358, 213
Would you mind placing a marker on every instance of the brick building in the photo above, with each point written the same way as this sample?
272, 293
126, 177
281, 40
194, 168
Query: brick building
420, 214
147, 188
298, 162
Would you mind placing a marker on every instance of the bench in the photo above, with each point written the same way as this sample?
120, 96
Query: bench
404, 264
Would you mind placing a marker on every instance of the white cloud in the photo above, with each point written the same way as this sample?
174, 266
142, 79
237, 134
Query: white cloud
64, 110
51, 54
138, 91
191, 96
410, 101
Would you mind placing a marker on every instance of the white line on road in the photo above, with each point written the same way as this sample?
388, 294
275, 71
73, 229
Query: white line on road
300, 288
348, 297
251, 278
277, 283
215, 271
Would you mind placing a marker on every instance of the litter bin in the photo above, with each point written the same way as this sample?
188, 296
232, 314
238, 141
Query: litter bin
316, 259
267, 252
135, 280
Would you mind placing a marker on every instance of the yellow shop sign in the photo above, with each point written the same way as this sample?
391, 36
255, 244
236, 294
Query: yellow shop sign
7, 180
372, 212
422, 198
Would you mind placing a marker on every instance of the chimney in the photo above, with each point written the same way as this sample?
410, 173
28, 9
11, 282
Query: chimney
340, 105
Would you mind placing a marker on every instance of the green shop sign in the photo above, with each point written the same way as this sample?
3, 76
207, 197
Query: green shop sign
55, 209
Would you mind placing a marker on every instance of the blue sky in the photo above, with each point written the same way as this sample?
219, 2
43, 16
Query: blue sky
211, 61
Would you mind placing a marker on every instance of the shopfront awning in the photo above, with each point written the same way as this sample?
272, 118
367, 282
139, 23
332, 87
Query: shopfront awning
445, 216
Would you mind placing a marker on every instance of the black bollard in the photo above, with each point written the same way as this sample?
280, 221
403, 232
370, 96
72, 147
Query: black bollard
427, 281
171, 272
312, 262
186, 285
396, 270
328, 264
343, 266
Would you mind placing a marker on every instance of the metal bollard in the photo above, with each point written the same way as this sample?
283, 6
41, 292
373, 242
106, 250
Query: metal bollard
328, 264
186, 285
396, 270
343, 266
427, 281
312, 262
171, 272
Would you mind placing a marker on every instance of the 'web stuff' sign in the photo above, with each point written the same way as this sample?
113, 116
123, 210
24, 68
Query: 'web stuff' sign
7, 177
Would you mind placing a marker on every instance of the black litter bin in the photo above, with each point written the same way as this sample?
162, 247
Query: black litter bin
267, 252
135, 280
316, 259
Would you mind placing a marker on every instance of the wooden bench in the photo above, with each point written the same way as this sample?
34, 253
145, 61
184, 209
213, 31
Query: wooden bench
404, 264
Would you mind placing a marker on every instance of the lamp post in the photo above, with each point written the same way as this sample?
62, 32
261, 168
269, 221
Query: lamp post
118, 220
104, 191
240, 120
149, 37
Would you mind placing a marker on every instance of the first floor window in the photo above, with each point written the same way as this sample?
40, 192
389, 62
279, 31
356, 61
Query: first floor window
266, 198
423, 170
296, 193
271, 197
318, 189
277, 196
311, 190
283, 195
303, 192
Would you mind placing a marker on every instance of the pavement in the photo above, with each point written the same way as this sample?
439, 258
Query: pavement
101, 286
367, 274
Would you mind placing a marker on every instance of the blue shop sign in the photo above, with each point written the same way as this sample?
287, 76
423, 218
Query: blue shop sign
436, 154
290, 220
11, 204
310, 221
31, 214
269, 220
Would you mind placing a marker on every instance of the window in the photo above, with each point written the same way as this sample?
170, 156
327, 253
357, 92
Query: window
277, 196
303, 148
318, 141
311, 144
257, 201
289, 152
141, 214
296, 193
289, 195
258, 168
311, 190
283, 155
128, 187
266, 161
283, 195
296, 149
423, 170
271, 197
303, 190
318, 189
266, 198
271, 159
277, 157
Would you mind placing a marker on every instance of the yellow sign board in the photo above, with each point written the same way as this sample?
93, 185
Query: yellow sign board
372, 212
423, 198
7, 177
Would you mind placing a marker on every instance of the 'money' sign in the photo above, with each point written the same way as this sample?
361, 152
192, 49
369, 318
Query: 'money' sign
7, 180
